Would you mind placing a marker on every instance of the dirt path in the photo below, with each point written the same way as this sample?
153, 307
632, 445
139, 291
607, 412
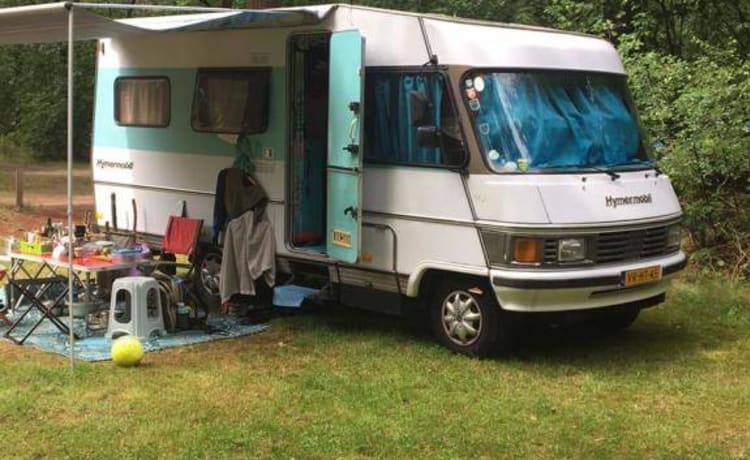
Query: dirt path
46, 169
45, 196
42, 201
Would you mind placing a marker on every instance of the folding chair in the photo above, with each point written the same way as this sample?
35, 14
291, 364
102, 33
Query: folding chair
45, 310
181, 238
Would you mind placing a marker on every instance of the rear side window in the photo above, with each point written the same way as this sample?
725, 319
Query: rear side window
142, 101
231, 101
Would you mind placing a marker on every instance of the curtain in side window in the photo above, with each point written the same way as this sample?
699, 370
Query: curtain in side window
394, 138
223, 103
142, 101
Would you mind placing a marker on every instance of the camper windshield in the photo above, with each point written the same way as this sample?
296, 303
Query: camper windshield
543, 121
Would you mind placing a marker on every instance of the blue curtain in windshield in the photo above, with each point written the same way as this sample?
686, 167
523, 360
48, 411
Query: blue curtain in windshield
555, 121
394, 138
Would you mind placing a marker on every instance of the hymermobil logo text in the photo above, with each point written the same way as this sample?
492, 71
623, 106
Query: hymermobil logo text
615, 201
104, 164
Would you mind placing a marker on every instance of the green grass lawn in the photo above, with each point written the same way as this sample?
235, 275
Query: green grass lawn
675, 385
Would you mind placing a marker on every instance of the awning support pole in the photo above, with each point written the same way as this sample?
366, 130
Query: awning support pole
71, 339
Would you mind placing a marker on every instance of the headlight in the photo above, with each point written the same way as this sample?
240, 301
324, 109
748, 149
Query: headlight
674, 236
527, 250
505, 249
494, 245
571, 250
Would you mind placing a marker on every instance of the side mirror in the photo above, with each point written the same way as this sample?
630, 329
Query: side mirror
420, 107
428, 136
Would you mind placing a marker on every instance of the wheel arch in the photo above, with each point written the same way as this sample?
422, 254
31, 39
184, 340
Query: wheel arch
424, 276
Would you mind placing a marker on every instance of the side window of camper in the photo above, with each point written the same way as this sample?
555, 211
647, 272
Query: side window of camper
391, 135
232, 101
142, 101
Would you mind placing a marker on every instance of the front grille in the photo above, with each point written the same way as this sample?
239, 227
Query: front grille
612, 247
550, 251
630, 245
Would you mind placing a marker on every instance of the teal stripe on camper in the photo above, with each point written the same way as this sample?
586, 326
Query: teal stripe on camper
179, 136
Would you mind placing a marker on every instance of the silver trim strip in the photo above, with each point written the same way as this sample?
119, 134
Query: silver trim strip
578, 228
165, 189
420, 218
154, 187
512, 227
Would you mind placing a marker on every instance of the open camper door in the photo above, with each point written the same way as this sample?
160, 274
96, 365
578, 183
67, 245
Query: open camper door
344, 174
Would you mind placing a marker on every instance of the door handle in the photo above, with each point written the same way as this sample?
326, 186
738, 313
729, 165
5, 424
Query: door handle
353, 126
352, 148
351, 210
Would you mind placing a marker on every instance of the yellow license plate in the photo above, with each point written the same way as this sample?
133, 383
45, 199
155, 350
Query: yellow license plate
641, 275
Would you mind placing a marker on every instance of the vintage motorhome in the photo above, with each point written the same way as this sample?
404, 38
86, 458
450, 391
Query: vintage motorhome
478, 169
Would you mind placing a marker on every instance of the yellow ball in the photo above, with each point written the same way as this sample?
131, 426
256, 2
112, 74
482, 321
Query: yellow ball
127, 351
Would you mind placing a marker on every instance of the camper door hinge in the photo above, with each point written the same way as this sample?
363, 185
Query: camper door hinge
352, 148
351, 210
354, 106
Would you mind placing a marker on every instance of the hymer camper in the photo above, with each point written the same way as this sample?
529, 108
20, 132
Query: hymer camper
480, 170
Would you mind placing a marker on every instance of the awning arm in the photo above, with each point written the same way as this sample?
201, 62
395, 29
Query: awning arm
71, 339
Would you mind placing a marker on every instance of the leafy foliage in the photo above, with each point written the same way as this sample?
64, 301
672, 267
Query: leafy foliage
33, 98
698, 114
688, 68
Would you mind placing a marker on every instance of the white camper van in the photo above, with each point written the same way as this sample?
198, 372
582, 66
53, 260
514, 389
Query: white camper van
474, 168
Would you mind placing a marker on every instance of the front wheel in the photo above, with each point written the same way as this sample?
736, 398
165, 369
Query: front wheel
466, 318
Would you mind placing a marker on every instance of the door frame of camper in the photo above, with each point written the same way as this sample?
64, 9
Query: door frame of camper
291, 83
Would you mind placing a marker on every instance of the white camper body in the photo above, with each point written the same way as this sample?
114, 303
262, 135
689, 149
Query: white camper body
465, 235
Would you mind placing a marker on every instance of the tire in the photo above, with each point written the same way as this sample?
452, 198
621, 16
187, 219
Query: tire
467, 319
616, 318
207, 276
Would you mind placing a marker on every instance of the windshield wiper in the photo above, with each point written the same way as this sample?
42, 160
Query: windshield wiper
648, 163
606, 171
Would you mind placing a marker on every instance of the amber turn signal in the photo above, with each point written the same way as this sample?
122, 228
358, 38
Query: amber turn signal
527, 250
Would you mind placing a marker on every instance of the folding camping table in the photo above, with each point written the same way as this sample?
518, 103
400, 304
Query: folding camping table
42, 271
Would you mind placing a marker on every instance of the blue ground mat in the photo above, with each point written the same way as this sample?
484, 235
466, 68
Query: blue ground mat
291, 296
96, 348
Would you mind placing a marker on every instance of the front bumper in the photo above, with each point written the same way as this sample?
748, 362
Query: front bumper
579, 289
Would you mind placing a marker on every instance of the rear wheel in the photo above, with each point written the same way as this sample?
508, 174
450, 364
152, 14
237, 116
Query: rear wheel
208, 278
466, 318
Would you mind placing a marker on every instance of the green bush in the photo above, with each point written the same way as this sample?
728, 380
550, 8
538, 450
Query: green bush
33, 99
698, 115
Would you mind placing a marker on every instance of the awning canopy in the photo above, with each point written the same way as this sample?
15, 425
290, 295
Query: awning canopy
52, 23
49, 22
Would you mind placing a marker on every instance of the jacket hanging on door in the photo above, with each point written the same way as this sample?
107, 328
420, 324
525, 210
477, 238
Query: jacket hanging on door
249, 253
236, 193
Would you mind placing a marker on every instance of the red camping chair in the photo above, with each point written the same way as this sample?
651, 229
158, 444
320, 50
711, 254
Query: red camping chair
181, 237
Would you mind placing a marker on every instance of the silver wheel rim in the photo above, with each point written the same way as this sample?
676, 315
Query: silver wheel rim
461, 318
211, 274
